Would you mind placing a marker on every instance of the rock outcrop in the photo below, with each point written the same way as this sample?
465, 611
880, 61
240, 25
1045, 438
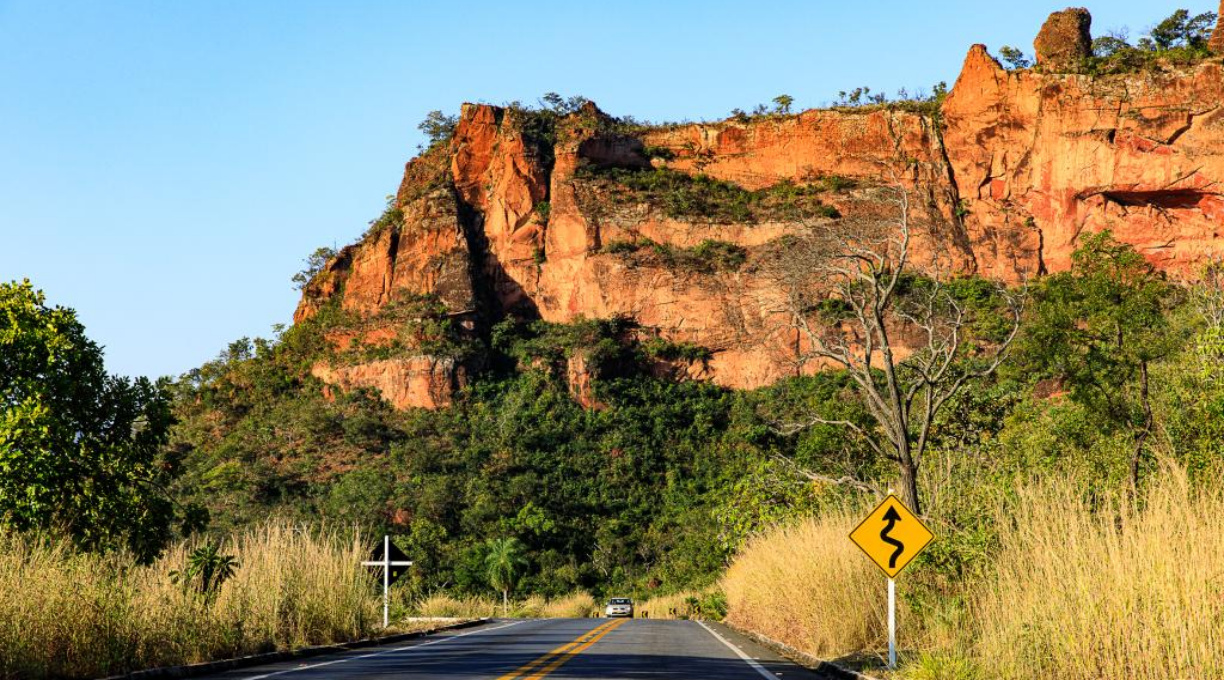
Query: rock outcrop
512, 219
409, 382
1041, 159
1065, 40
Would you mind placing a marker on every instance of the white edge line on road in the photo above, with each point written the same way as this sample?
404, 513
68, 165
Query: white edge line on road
385, 651
738, 652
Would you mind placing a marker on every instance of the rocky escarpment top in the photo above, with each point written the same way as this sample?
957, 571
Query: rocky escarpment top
1065, 40
565, 215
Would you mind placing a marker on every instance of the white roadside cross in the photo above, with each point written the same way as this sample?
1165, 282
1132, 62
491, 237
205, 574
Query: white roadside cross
386, 563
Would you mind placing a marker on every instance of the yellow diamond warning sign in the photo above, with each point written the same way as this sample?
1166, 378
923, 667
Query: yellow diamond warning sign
891, 536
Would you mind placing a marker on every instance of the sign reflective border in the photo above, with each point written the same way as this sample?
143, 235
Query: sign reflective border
892, 536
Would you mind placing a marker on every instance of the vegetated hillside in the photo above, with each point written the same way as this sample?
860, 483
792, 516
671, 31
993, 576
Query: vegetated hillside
544, 335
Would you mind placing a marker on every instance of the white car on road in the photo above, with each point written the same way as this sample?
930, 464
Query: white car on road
619, 606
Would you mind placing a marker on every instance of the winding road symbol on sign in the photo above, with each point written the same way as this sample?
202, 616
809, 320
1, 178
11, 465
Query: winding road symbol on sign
892, 536
892, 517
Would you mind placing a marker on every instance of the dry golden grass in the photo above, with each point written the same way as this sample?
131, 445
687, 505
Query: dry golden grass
66, 614
1108, 594
441, 605
579, 605
682, 605
530, 608
1104, 589
809, 586
674, 606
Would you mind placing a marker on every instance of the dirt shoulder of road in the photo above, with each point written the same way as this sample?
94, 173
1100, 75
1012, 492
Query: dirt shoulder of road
835, 670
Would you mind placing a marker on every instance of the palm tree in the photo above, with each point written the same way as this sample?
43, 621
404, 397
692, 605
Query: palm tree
505, 562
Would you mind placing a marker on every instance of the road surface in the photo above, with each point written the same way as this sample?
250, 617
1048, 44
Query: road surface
552, 649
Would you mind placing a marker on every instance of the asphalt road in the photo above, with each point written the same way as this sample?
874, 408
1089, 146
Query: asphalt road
556, 649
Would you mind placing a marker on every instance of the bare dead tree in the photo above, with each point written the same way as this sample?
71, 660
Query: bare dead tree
857, 303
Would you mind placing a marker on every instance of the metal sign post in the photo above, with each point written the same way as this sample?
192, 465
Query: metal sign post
892, 624
388, 560
892, 537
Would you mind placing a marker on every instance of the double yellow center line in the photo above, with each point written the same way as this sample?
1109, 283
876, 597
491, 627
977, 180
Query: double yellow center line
538, 668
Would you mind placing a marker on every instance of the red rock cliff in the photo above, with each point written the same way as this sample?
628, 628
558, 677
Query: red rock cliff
1017, 166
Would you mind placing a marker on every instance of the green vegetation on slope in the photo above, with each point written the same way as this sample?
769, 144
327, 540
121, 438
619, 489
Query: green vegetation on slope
681, 195
657, 490
654, 491
707, 257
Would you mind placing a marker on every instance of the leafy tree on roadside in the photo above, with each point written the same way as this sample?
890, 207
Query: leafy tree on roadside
1099, 327
79, 449
506, 561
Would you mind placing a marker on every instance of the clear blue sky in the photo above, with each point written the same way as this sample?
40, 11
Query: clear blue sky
166, 166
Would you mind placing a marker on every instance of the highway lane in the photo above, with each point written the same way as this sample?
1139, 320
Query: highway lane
550, 649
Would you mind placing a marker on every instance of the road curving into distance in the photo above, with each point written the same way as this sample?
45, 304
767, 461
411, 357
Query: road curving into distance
552, 649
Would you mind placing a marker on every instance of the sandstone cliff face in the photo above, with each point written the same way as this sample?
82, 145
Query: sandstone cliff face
1018, 165
1217, 36
1040, 159
415, 381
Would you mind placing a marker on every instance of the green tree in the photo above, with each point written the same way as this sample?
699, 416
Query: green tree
314, 264
79, 449
1015, 57
438, 127
505, 562
783, 102
1111, 43
1183, 30
1098, 328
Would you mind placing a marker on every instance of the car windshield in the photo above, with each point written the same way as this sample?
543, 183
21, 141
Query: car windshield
620, 600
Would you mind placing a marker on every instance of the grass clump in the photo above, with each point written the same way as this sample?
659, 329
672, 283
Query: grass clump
445, 606
576, 605
65, 614
708, 257
683, 196
710, 603
1085, 589
579, 605
807, 585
